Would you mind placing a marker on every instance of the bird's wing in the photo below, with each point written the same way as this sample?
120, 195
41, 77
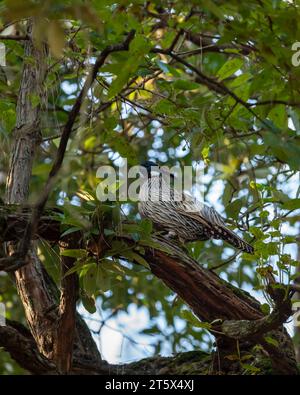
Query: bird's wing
207, 216
191, 208
212, 216
213, 223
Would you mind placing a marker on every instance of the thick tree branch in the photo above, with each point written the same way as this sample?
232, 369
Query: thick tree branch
211, 299
245, 329
22, 348
64, 344
17, 341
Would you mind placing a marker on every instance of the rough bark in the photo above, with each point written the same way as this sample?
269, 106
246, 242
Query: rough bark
208, 296
63, 345
38, 296
27, 133
22, 347
212, 299
36, 299
236, 314
297, 297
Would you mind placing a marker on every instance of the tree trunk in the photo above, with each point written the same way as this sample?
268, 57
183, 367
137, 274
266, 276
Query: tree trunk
36, 298
38, 294
297, 315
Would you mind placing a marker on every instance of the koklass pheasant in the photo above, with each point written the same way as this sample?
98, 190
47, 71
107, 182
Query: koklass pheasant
181, 215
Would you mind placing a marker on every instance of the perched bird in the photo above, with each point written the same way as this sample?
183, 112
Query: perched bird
179, 214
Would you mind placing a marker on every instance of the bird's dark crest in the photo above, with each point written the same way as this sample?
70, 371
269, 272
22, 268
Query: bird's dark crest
148, 164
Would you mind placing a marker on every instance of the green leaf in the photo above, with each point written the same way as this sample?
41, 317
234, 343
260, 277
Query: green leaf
102, 279
264, 214
131, 228
164, 106
74, 253
291, 204
42, 169
189, 316
112, 266
233, 208
51, 259
205, 153
167, 69
250, 368
35, 100
163, 66
154, 244
126, 71
76, 268
265, 308
186, 85
108, 232
213, 8
136, 257
289, 239
272, 341
230, 67
90, 280
146, 226
279, 116
280, 196
69, 231
89, 304
137, 50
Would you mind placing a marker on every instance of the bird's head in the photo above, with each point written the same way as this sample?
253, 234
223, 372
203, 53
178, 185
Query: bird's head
152, 167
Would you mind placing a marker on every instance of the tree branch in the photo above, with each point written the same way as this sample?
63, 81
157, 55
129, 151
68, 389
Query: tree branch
13, 37
211, 299
211, 83
18, 341
63, 346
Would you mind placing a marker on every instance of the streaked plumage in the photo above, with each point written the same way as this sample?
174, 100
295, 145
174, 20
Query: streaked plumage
182, 215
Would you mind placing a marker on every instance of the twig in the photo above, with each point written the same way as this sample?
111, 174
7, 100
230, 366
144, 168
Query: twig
224, 263
14, 37
266, 102
210, 83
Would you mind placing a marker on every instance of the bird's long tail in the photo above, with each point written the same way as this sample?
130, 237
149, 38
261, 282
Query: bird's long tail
233, 239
